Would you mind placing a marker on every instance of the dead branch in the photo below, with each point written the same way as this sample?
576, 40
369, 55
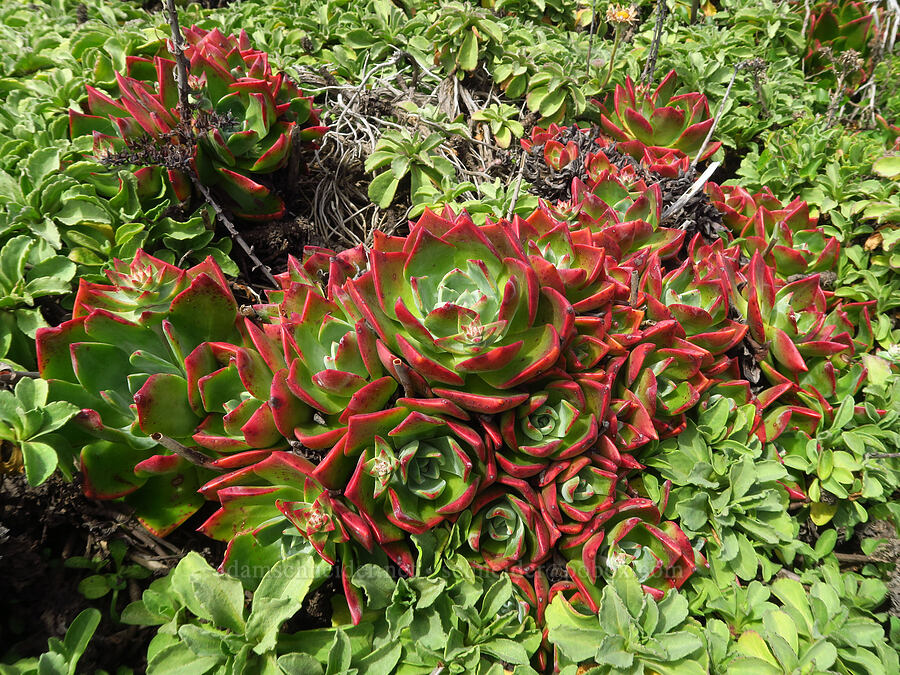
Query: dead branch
691, 191
193, 456
650, 66
181, 63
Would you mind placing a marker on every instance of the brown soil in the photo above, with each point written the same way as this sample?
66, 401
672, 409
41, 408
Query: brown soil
273, 242
42, 527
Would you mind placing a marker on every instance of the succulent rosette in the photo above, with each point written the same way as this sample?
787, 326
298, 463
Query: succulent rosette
558, 422
624, 220
332, 363
610, 196
788, 323
660, 554
507, 530
464, 309
589, 345
122, 360
229, 387
737, 206
264, 490
143, 288
281, 486
622, 216
582, 547
699, 304
130, 339
252, 115
628, 532
787, 236
711, 258
413, 469
540, 136
567, 261
666, 381
854, 318
666, 162
637, 119
574, 491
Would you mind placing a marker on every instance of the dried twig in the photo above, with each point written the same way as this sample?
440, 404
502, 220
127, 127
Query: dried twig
409, 389
757, 68
844, 65
181, 63
10, 375
769, 247
232, 230
515, 196
719, 112
893, 39
158, 545
191, 455
806, 13
591, 38
650, 66
691, 191
855, 559
147, 562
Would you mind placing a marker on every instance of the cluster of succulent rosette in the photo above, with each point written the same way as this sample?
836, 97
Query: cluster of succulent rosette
487, 389
499, 382
246, 122
661, 131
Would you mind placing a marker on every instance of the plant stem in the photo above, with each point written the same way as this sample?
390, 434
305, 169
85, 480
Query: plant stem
409, 389
806, 15
772, 241
760, 95
612, 55
515, 197
855, 558
691, 191
232, 230
9, 374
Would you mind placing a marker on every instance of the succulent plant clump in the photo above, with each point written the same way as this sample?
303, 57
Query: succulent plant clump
245, 122
494, 391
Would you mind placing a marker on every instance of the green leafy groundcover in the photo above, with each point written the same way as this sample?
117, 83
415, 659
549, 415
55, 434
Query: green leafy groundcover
592, 437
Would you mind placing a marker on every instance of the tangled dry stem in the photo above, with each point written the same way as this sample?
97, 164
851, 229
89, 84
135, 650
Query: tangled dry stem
357, 116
